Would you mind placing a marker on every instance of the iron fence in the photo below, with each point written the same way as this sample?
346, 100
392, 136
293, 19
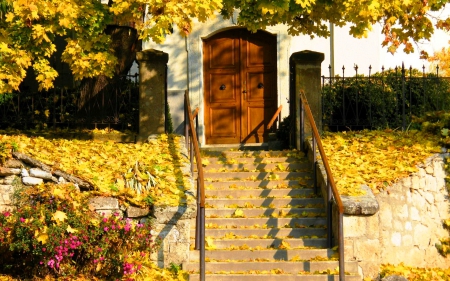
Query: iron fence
383, 100
115, 106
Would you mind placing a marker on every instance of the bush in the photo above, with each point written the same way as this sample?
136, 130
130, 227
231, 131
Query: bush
376, 102
53, 232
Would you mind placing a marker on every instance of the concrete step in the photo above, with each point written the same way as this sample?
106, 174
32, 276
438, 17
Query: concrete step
210, 176
268, 222
285, 255
292, 267
270, 232
259, 167
263, 154
263, 202
250, 160
267, 212
259, 192
319, 243
267, 184
274, 277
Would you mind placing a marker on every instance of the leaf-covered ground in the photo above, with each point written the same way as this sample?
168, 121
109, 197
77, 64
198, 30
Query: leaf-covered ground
376, 158
109, 165
414, 273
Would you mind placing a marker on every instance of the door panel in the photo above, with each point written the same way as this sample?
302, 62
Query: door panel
224, 125
240, 86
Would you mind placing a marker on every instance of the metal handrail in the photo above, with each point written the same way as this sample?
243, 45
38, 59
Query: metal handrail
274, 117
331, 185
194, 150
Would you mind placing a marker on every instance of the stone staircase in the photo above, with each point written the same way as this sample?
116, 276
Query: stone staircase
263, 220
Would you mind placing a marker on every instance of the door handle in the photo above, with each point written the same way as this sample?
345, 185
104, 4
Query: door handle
245, 90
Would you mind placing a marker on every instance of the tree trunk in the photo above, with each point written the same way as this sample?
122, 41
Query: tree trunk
97, 96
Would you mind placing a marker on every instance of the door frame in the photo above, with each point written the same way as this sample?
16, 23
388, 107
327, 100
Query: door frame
194, 45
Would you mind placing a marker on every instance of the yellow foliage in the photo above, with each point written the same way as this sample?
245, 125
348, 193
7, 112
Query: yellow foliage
105, 165
375, 158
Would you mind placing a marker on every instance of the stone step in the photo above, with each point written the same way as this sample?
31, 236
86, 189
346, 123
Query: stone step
253, 176
267, 212
267, 184
319, 243
268, 222
278, 254
246, 193
249, 160
274, 277
292, 267
262, 154
259, 167
263, 202
270, 232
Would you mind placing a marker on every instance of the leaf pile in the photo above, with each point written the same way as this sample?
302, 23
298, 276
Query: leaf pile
416, 273
376, 158
107, 165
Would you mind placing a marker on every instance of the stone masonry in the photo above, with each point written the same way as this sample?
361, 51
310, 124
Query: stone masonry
171, 224
400, 224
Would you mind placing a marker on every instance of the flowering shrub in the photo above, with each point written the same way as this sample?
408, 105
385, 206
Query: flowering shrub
54, 233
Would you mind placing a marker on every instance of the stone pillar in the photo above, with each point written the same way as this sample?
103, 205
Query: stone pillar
306, 76
152, 92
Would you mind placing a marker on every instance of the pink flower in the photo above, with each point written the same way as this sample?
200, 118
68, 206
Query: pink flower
51, 263
22, 220
105, 228
6, 214
105, 219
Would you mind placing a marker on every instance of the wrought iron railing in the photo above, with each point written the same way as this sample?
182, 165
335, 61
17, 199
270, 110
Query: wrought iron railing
194, 151
116, 106
332, 192
386, 99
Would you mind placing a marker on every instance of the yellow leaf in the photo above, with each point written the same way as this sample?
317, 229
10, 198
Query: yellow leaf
71, 230
209, 243
59, 193
238, 213
59, 217
43, 237
284, 245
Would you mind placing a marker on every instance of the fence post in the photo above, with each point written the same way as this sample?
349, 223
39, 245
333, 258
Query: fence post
152, 92
307, 70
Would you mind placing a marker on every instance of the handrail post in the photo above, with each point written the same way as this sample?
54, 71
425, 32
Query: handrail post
314, 143
341, 247
329, 215
202, 245
302, 126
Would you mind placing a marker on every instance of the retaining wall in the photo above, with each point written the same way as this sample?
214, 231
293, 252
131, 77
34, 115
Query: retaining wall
400, 224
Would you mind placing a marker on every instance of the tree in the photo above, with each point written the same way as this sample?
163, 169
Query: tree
442, 59
28, 27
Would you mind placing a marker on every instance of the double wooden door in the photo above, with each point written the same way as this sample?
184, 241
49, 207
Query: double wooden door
240, 76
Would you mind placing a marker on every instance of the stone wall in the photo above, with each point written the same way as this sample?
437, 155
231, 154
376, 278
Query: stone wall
400, 224
171, 224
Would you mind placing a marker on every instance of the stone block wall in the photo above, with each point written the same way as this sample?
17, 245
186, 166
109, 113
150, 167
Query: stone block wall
400, 224
171, 224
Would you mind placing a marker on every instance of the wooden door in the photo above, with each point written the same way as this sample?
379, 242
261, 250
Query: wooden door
240, 86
